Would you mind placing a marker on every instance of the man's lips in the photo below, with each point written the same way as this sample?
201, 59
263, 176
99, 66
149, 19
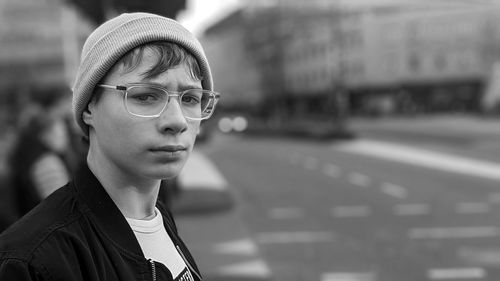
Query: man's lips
168, 148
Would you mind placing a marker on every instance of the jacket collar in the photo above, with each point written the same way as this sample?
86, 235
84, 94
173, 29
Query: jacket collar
105, 211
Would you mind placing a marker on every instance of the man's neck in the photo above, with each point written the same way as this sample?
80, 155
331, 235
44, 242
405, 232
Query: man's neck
135, 198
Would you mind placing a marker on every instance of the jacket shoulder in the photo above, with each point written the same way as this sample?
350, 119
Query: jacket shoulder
23, 238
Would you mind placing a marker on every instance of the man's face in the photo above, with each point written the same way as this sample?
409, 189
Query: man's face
149, 148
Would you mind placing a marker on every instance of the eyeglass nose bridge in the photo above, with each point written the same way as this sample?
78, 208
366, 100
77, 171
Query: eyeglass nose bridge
169, 95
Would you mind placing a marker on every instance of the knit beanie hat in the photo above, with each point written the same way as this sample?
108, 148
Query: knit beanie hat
114, 38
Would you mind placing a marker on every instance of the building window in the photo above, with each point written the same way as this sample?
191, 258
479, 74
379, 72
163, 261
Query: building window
440, 62
414, 63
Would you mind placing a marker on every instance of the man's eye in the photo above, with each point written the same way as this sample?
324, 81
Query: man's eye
144, 97
190, 99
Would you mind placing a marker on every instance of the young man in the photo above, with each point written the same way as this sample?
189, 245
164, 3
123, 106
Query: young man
142, 88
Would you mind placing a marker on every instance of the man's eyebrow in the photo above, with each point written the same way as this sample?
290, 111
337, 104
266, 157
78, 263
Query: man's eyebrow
184, 86
190, 86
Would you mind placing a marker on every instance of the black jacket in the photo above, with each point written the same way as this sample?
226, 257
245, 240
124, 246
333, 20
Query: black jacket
78, 233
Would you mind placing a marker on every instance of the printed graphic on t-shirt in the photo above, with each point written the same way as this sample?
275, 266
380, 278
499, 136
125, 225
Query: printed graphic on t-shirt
185, 275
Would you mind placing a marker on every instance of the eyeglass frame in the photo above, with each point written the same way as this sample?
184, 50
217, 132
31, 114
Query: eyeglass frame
167, 92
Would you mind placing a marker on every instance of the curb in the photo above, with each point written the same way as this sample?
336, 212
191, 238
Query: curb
210, 223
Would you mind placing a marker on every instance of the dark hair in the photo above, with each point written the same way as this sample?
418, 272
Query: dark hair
169, 55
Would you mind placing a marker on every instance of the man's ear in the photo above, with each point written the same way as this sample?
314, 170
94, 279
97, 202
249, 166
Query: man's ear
87, 113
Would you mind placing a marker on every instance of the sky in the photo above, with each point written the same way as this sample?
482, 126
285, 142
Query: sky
201, 13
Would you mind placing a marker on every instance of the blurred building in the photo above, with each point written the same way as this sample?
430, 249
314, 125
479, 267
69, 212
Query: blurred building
41, 41
234, 70
36, 36
430, 56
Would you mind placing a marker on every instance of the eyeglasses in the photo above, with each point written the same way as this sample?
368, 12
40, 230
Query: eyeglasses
145, 100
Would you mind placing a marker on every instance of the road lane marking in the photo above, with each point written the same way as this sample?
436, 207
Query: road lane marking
245, 247
411, 209
472, 208
350, 211
252, 269
394, 190
456, 273
422, 157
331, 170
359, 179
348, 276
454, 232
485, 256
294, 237
286, 213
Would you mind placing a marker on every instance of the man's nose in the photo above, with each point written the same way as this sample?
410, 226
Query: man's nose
172, 119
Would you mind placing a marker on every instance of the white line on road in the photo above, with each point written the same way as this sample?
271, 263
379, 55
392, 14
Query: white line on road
454, 232
245, 247
425, 158
456, 273
484, 256
359, 179
251, 269
348, 276
472, 208
331, 170
411, 209
394, 190
286, 213
351, 211
295, 237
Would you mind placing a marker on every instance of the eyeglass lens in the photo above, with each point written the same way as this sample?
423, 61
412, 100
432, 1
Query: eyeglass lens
148, 101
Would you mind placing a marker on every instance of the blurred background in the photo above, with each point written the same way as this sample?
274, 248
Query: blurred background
355, 140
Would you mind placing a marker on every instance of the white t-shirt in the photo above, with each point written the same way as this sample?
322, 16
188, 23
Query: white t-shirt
156, 243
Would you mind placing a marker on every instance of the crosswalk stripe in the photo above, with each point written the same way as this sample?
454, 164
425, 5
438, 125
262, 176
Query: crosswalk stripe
456, 273
347, 276
295, 237
454, 232
351, 211
411, 209
394, 190
251, 269
359, 179
245, 247
472, 208
331, 170
286, 213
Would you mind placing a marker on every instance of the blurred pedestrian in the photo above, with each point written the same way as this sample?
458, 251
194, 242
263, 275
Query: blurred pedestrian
142, 88
37, 163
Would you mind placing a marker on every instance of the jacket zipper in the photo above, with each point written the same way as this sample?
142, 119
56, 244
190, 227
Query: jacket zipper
187, 263
153, 269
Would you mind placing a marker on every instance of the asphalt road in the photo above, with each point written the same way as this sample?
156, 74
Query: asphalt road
375, 208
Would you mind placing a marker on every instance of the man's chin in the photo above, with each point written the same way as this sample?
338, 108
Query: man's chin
168, 171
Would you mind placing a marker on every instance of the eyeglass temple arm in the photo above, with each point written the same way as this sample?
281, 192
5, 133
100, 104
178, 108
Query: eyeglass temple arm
121, 88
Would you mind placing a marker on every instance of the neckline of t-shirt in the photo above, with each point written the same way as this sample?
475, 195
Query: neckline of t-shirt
147, 226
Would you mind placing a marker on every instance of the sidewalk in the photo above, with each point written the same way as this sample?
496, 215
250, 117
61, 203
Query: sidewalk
209, 222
